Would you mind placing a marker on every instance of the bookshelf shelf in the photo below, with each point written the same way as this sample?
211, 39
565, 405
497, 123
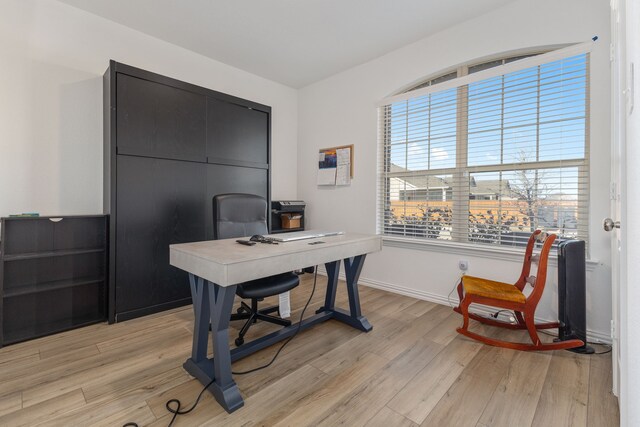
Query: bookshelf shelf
53, 275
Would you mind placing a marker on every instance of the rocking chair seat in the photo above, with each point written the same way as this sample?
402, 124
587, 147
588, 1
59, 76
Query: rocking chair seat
492, 289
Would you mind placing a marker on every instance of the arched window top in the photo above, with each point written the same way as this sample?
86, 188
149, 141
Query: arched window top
470, 68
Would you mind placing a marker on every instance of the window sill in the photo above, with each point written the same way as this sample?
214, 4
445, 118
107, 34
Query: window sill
504, 254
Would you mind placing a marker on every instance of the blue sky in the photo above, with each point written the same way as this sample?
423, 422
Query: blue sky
528, 123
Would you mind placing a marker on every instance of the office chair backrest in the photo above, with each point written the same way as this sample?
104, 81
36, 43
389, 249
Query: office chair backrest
239, 215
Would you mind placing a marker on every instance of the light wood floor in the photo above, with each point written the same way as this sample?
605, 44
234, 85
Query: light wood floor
412, 369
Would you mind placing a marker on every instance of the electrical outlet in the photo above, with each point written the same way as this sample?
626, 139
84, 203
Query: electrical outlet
463, 265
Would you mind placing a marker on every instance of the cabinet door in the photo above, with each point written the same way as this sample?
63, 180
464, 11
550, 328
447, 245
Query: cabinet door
236, 134
157, 120
160, 202
223, 179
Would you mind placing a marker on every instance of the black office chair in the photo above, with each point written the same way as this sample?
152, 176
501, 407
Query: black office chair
241, 215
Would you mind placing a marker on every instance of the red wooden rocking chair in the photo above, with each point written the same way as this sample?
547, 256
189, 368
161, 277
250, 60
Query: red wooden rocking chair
511, 297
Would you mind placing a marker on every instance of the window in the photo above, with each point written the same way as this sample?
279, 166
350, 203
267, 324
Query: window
489, 153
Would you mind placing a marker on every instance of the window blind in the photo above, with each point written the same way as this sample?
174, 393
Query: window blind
491, 156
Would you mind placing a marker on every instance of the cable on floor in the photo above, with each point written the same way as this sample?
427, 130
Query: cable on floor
608, 346
288, 340
455, 285
176, 411
608, 350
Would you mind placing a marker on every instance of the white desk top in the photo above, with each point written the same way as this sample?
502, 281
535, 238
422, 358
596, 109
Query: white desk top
226, 262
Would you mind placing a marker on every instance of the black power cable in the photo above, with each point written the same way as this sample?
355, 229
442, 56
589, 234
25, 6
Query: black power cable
176, 411
497, 313
288, 340
587, 342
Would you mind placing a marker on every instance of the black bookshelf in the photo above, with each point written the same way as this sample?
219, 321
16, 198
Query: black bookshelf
53, 275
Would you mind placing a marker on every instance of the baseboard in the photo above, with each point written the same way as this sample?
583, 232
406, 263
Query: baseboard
128, 315
592, 336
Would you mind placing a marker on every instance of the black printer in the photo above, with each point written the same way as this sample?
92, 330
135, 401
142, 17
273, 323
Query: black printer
287, 215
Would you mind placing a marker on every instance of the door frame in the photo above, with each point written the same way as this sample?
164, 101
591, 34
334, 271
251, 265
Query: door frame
625, 134
629, 290
617, 183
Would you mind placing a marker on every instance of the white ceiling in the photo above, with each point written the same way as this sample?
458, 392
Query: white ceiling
294, 42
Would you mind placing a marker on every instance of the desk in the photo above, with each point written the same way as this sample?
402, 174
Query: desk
216, 267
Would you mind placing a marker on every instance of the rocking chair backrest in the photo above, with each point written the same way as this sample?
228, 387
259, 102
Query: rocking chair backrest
526, 265
542, 260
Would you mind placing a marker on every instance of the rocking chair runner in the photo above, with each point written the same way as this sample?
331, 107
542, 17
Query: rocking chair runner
511, 297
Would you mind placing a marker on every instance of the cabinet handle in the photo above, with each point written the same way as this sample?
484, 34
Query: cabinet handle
55, 219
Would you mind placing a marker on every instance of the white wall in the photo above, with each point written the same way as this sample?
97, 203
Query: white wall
52, 57
341, 110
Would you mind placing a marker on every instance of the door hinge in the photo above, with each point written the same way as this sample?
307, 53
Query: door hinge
613, 329
613, 195
612, 52
630, 90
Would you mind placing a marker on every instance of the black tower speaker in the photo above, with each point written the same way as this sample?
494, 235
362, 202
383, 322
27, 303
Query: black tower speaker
572, 300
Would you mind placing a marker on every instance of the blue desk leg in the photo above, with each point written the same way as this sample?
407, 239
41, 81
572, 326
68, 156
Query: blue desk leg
202, 314
333, 270
214, 303
352, 267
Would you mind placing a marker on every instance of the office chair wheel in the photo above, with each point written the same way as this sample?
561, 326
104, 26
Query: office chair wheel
239, 341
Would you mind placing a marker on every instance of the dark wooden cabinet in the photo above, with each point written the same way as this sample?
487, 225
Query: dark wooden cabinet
53, 275
156, 120
236, 134
159, 202
169, 148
